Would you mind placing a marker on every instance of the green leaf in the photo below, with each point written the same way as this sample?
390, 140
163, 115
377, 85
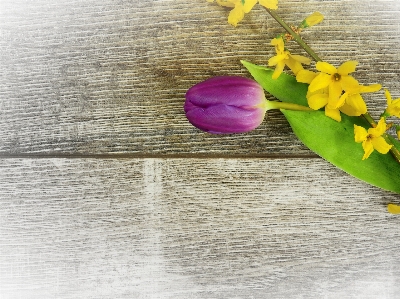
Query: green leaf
332, 140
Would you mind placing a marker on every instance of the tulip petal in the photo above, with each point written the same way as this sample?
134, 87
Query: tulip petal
223, 105
225, 119
230, 90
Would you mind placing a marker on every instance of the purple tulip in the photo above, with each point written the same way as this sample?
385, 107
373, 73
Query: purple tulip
224, 105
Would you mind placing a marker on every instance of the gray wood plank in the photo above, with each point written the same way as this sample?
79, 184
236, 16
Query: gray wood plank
96, 77
193, 228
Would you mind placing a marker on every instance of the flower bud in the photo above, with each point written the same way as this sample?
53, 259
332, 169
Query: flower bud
312, 20
224, 105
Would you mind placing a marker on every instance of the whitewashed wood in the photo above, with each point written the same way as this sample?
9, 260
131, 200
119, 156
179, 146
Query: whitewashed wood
193, 228
110, 76
98, 77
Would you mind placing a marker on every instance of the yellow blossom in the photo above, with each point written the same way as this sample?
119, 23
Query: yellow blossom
393, 209
312, 20
351, 102
306, 76
372, 139
319, 98
393, 108
240, 7
283, 57
336, 79
271, 4
327, 86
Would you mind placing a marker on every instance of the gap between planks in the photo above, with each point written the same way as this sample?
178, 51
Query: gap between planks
155, 156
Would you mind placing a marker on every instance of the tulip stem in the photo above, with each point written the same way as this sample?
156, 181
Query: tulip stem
394, 151
286, 106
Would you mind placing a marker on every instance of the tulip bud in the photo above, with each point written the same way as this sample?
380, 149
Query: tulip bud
224, 105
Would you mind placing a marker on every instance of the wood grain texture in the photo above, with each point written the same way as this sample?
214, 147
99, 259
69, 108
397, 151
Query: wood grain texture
193, 228
92, 78
95, 77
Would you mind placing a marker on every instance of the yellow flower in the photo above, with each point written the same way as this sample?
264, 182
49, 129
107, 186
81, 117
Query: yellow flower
325, 89
393, 108
393, 209
271, 4
319, 98
351, 102
372, 139
240, 7
312, 20
306, 76
336, 79
283, 57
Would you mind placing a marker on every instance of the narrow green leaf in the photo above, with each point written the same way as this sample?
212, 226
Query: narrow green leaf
333, 141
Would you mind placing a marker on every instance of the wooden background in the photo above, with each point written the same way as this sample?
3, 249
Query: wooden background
106, 191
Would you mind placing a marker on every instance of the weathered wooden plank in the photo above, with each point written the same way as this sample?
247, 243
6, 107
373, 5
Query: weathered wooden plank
193, 228
110, 76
